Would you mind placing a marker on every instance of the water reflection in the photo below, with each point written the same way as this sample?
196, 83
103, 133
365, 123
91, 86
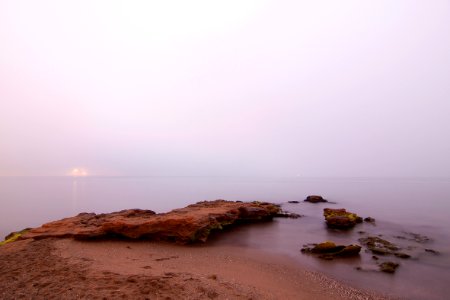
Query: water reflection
74, 195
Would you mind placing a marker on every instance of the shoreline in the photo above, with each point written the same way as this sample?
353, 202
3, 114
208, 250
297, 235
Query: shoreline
68, 269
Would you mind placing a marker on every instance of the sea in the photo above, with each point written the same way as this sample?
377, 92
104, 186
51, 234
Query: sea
413, 213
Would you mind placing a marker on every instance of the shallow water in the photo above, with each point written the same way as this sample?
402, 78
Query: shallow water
399, 206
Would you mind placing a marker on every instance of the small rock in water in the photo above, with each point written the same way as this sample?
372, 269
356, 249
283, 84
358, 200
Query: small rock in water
388, 267
294, 201
315, 199
369, 220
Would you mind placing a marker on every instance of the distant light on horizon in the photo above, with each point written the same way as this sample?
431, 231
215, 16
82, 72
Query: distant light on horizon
78, 172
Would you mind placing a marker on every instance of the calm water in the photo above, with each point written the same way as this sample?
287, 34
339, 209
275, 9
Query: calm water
401, 205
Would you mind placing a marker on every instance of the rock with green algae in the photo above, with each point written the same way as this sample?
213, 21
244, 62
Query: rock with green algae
340, 218
14, 236
329, 250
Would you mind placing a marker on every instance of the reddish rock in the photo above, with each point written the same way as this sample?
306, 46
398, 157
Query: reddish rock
185, 225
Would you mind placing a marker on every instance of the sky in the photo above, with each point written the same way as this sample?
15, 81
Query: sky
225, 88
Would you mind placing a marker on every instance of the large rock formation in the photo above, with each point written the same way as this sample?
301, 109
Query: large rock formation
340, 218
185, 225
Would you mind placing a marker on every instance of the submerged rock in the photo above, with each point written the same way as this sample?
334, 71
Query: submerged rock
388, 267
381, 246
286, 214
329, 250
294, 201
414, 237
185, 225
315, 199
435, 252
402, 255
340, 218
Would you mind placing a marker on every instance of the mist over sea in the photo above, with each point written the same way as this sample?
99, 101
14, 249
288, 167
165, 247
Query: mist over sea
401, 205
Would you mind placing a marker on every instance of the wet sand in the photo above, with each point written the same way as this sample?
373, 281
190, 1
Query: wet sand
69, 269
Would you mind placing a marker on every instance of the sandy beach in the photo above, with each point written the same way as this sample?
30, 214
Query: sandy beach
117, 269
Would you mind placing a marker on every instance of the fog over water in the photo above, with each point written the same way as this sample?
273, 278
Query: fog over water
206, 88
159, 104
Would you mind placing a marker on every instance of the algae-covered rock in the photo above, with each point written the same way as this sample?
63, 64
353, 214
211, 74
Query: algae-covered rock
315, 199
329, 250
388, 267
340, 218
324, 247
14, 236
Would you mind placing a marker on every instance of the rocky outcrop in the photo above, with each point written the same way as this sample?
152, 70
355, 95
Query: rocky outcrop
185, 225
340, 218
315, 199
329, 250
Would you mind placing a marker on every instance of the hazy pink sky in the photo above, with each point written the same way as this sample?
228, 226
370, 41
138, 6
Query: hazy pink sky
284, 88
